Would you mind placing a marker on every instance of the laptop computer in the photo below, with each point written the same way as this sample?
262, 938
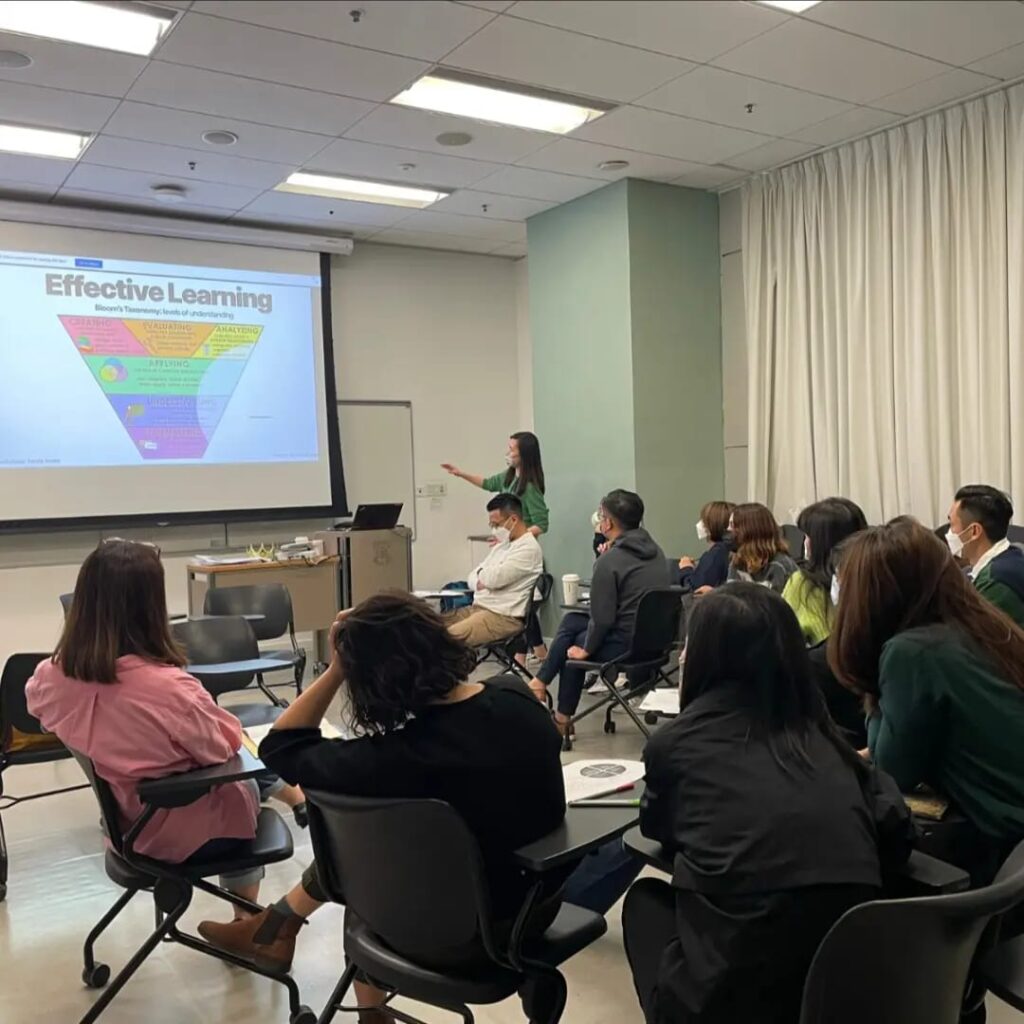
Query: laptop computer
382, 516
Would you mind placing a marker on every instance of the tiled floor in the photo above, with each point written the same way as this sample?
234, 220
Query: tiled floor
58, 890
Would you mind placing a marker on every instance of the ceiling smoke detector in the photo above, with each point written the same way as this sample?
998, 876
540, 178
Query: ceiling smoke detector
454, 139
13, 60
220, 137
613, 165
169, 194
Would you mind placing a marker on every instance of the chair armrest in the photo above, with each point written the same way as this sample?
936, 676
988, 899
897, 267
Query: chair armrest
650, 851
923, 875
186, 787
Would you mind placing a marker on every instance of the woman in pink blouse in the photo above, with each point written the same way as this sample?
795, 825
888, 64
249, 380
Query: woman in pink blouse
115, 690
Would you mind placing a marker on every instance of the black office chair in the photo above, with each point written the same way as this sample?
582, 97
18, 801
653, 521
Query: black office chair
655, 635
274, 602
411, 878
224, 639
504, 651
173, 885
905, 961
22, 741
794, 538
1015, 534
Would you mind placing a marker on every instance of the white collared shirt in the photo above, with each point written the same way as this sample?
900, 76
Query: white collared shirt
508, 574
993, 552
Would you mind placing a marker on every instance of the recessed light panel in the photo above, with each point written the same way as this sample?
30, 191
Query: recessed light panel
360, 191
793, 6
16, 138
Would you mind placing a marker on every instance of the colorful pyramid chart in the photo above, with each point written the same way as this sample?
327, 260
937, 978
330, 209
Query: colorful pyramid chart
168, 381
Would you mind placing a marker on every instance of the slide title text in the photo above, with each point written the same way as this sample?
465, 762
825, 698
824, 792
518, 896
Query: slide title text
78, 286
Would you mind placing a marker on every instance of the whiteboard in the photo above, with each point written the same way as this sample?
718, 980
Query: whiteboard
377, 449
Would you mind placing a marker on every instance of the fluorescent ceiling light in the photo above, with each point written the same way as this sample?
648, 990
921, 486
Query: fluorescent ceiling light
129, 27
793, 6
360, 191
16, 138
502, 103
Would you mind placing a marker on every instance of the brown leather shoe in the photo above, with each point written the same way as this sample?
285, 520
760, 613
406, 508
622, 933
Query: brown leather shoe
267, 938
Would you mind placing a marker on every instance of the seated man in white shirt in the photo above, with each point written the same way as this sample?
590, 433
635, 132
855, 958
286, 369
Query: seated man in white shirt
502, 583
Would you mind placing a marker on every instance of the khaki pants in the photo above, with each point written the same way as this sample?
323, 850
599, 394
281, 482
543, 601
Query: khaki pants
479, 626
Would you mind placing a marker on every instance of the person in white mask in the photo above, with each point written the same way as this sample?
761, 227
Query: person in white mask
711, 569
501, 584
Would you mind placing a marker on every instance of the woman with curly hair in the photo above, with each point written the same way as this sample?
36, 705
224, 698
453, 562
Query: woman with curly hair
424, 731
761, 555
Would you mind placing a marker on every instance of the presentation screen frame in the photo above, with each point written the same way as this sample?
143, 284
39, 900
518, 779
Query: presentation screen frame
339, 502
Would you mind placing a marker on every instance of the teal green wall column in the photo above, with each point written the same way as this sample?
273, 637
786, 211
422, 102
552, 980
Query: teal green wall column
625, 329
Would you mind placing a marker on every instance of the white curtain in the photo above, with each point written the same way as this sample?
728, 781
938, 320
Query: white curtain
884, 287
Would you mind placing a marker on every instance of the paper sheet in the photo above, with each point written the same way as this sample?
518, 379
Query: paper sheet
664, 702
257, 733
585, 780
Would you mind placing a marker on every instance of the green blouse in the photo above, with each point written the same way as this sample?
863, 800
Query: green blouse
813, 608
535, 508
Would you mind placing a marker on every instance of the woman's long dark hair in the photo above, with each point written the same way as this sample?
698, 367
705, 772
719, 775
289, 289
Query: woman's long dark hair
530, 469
119, 608
747, 638
398, 659
827, 524
899, 576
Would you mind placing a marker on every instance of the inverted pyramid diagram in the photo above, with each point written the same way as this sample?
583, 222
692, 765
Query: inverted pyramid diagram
168, 381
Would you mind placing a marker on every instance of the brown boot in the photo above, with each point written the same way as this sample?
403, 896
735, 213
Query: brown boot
267, 939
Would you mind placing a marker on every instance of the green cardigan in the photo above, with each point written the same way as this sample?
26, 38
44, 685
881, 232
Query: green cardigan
1002, 583
948, 719
812, 605
535, 508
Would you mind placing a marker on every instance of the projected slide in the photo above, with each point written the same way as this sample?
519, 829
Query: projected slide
110, 363
169, 382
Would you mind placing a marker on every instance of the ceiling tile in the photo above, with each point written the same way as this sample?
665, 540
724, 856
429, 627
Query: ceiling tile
433, 240
66, 66
132, 155
108, 201
1008, 63
712, 94
710, 177
318, 209
524, 181
33, 171
54, 108
514, 249
263, 53
182, 128
488, 5
651, 131
956, 33
934, 92
522, 51
367, 160
333, 230
172, 85
697, 30
470, 201
776, 152
858, 121
468, 227
21, 192
418, 129
573, 156
138, 184
818, 59
415, 28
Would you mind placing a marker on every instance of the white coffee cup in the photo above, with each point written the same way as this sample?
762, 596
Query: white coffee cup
570, 588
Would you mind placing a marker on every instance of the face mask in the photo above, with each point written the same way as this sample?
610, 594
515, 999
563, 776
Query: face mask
501, 534
834, 592
807, 549
956, 545
702, 531
509, 459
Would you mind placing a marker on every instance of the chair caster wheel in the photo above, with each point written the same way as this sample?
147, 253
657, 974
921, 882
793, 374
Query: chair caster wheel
303, 1015
97, 977
651, 718
609, 726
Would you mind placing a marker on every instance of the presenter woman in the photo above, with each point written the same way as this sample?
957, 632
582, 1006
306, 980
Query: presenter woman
524, 478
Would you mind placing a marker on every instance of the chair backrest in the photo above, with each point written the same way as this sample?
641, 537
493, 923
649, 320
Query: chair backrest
271, 600
794, 538
14, 713
657, 623
905, 961
217, 640
110, 815
542, 590
409, 869
1015, 534
65, 602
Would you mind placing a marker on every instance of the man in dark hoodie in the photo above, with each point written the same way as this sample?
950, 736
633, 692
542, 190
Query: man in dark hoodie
978, 523
631, 565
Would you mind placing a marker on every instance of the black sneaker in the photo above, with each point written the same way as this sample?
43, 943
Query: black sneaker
301, 815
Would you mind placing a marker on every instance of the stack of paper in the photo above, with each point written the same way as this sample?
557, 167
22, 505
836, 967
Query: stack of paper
585, 780
662, 702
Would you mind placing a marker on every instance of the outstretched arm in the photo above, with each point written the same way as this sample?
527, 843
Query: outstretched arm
472, 478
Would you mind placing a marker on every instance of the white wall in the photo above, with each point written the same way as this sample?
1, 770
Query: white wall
734, 346
436, 328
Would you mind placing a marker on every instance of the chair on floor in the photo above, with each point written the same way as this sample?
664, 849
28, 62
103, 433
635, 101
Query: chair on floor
505, 651
22, 741
655, 635
221, 640
906, 961
173, 885
405, 899
274, 602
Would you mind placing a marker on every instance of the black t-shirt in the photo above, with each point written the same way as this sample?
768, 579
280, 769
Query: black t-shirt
494, 757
